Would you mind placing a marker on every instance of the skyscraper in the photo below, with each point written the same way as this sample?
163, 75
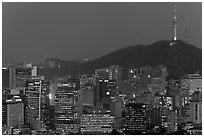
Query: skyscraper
5, 78
37, 90
15, 110
136, 118
66, 106
22, 75
96, 121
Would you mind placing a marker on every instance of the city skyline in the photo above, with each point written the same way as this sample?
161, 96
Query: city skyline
75, 31
132, 68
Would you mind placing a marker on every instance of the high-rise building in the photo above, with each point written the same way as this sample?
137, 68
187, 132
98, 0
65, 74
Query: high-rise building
50, 124
191, 83
96, 121
116, 108
12, 78
37, 93
136, 118
154, 116
4, 108
195, 112
100, 90
151, 79
15, 110
87, 96
66, 106
113, 72
87, 90
86, 80
34, 71
102, 73
22, 75
5, 78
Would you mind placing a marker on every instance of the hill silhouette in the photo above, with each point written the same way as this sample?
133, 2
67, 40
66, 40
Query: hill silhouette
179, 59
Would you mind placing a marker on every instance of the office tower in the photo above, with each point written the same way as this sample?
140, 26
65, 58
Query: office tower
191, 83
136, 118
172, 122
196, 96
195, 112
66, 105
143, 71
37, 90
154, 117
111, 88
149, 79
4, 108
15, 110
116, 108
158, 79
101, 88
5, 78
96, 121
113, 72
22, 75
87, 90
87, 80
15, 77
50, 124
168, 102
34, 71
87, 96
12, 78
102, 73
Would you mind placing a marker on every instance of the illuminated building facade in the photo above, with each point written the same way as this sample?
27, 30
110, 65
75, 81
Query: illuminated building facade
66, 106
37, 101
113, 72
22, 75
87, 90
97, 121
15, 110
151, 78
191, 83
136, 118
4, 108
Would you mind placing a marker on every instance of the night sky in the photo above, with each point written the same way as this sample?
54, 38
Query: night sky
75, 31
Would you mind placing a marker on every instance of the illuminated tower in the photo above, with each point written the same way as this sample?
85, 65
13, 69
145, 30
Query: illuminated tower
175, 24
174, 28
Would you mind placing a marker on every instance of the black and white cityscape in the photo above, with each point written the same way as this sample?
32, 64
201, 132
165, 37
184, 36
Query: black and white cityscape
101, 68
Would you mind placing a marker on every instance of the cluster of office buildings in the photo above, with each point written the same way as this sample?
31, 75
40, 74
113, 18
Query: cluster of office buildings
149, 102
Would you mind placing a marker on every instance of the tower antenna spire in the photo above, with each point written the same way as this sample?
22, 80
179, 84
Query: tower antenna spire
173, 42
175, 24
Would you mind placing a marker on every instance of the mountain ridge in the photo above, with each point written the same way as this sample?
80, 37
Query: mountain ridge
180, 59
